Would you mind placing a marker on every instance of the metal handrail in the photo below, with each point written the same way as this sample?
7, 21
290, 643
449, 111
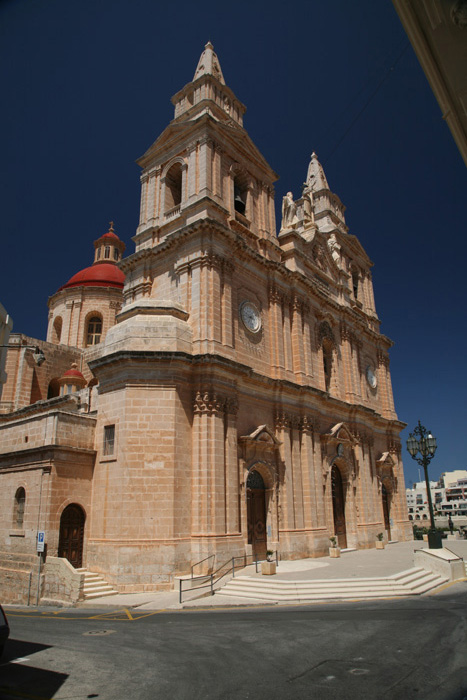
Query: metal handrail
211, 556
210, 577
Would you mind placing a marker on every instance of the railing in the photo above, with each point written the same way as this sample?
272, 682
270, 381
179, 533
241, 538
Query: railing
210, 580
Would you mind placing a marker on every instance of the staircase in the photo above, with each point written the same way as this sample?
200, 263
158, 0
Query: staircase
411, 582
95, 586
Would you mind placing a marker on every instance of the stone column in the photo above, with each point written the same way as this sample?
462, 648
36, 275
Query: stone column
287, 336
298, 355
307, 341
144, 198
283, 429
227, 319
347, 361
232, 486
276, 334
310, 515
297, 476
209, 499
320, 485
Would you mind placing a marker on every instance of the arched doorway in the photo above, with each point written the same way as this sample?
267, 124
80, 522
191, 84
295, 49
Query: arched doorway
338, 507
70, 544
256, 514
386, 510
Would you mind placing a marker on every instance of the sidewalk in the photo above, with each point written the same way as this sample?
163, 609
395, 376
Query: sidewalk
367, 563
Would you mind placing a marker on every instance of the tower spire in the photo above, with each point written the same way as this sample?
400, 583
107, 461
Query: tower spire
315, 178
208, 64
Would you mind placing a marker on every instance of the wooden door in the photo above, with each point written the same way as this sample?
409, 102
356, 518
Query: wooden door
256, 514
386, 508
338, 507
70, 544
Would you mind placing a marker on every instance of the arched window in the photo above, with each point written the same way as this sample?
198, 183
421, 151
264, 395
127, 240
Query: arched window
240, 193
54, 389
107, 251
94, 331
116, 254
57, 332
20, 500
355, 280
327, 363
173, 187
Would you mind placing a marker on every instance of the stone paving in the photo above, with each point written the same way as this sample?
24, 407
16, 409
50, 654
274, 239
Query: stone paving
367, 563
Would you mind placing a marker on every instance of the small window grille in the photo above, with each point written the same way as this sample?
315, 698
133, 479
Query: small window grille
20, 501
109, 440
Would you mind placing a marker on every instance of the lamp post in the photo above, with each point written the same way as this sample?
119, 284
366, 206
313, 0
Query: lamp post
38, 355
426, 445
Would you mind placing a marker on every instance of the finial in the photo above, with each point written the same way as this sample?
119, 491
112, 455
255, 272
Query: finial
111, 224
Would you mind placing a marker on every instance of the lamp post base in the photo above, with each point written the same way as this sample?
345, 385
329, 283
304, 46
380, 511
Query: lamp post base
434, 540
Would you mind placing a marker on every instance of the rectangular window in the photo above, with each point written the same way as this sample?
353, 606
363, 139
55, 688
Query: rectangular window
109, 440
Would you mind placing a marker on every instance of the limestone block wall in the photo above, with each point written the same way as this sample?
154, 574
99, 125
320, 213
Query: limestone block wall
53, 427
142, 492
61, 582
18, 578
20, 537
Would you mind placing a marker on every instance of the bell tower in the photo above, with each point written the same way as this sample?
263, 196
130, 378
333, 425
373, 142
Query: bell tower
204, 165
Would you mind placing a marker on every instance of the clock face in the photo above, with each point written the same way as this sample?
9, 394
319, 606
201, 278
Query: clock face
371, 377
250, 316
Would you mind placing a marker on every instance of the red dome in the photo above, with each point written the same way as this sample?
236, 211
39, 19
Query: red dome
110, 234
99, 275
74, 373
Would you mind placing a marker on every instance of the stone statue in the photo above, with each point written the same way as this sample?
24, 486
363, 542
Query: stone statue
289, 211
307, 196
335, 249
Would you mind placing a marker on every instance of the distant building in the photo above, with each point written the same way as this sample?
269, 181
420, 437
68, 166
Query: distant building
449, 496
223, 390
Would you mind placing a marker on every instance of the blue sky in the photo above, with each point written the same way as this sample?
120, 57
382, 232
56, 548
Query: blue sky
86, 87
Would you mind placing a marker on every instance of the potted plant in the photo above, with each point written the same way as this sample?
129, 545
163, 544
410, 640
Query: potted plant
379, 541
268, 567
334, 550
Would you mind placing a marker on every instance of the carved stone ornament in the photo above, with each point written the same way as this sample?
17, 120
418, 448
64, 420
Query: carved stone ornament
207, 401
325, 332
282, 420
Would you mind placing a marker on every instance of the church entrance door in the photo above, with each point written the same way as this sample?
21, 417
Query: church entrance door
387, 520
338, 507
70, 544
256, 514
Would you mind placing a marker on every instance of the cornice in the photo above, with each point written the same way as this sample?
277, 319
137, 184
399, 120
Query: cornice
221, 364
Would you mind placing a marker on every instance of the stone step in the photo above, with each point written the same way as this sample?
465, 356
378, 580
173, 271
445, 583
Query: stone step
412, 582
95, 586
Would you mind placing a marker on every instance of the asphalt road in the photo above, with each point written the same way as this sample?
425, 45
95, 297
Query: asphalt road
404, 649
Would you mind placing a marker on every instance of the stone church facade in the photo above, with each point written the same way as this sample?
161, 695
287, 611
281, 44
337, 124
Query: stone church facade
222, 390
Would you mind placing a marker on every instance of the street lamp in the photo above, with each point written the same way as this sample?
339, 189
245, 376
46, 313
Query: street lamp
38, 356
426, 445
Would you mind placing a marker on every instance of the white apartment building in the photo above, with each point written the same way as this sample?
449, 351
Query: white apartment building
448, 494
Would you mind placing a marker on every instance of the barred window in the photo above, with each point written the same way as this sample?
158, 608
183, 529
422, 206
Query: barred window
109, 440
20, 501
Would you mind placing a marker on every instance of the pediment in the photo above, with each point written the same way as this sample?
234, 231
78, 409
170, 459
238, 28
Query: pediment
262, 435
317, 251
340, 432
385, 460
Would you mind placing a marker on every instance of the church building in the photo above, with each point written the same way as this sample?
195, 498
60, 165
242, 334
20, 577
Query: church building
222, 391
